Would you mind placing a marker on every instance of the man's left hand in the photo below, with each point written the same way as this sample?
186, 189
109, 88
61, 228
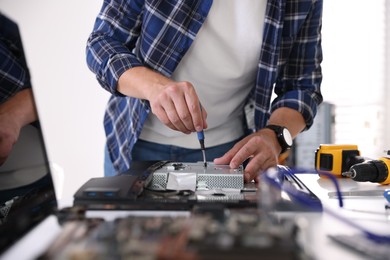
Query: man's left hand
261, 148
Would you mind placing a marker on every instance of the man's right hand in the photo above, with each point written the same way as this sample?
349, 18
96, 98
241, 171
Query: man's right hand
175, 104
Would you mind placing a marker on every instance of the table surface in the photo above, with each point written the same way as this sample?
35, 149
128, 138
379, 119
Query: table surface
368, 211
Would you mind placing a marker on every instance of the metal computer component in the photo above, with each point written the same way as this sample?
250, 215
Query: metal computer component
211, 177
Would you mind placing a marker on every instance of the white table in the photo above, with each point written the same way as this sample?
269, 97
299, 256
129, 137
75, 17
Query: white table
367, 211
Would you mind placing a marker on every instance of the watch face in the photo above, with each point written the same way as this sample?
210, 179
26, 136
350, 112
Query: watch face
287, 137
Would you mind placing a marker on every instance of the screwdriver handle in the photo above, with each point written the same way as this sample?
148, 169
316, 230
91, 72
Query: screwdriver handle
200, 135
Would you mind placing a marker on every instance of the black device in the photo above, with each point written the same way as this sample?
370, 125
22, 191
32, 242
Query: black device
127, 186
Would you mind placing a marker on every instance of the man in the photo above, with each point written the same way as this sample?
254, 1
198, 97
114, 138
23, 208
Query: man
171, 64
17, 107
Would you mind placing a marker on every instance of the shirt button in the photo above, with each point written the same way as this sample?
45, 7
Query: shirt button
198, 17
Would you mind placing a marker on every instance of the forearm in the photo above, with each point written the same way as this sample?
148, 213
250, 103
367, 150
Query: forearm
289, 118
20, 108
141, 82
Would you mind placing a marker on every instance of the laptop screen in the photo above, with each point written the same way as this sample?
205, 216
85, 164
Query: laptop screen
26, 188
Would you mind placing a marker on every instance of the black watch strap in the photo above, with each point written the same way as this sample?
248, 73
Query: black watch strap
283, 136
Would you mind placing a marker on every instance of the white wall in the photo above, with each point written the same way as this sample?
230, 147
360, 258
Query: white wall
70, 101
354, 72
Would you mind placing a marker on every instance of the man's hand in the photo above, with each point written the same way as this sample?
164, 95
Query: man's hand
175, 104
262, 150
9, 133
16, 112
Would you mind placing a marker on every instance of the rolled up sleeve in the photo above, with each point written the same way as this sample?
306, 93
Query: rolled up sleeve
298, 84
110, 46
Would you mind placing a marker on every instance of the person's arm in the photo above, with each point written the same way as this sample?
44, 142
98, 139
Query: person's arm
109, 50
17, 107
176, 104
15, 113
14, 73
110, 56
262, 147
298, 90
298, 85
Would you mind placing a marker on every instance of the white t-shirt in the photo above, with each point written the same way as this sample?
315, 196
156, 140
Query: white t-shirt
222, 65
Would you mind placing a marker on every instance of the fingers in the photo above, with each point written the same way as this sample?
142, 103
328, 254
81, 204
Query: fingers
195, 110
258, 149
257, 165
228, 156
178, 107
173, 116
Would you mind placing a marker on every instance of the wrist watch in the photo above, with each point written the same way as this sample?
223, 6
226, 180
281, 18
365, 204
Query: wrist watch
283, 136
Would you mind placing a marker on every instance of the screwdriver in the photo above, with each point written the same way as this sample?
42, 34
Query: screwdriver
201, 141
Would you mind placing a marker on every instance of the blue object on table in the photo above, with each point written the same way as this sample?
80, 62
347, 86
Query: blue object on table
386, 194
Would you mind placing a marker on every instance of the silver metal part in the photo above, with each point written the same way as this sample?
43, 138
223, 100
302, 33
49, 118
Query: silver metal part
211, 177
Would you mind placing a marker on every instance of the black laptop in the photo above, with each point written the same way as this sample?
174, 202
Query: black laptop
27, 194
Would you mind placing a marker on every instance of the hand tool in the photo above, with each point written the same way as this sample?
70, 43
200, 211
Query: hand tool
201, 141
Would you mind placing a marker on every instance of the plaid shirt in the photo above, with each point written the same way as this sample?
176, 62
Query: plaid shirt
14, 74
157, 34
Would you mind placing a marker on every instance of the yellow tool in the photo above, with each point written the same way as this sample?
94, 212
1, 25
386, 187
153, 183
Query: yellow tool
372, 170
336, 159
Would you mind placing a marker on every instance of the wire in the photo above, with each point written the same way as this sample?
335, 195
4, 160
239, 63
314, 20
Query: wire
272, 176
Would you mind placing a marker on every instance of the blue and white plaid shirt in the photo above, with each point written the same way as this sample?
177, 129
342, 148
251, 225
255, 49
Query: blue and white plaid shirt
14, 74
157, 34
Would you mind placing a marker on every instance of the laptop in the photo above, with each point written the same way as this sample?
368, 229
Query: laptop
28, 199
27, 194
